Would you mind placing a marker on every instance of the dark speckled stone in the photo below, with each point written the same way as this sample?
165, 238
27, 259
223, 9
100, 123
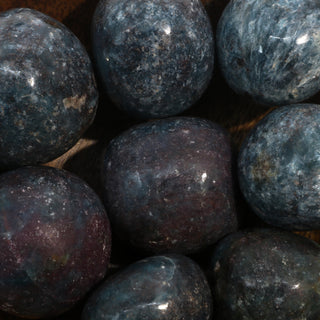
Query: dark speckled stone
154, 57
279, 167
265, 274
169, 287
48, 95
271, 49
54, 241
168, 185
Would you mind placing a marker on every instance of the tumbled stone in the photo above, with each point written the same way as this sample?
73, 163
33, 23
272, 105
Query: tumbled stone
279, 167
265, 274
270, 50
155, 58
168, 287
168, 185
48, 94
54, 241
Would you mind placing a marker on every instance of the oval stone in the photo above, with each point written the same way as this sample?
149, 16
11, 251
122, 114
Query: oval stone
270, 50
55, 241
279, 167
48, 94
167, 287
155, 58
265, 274
168, 185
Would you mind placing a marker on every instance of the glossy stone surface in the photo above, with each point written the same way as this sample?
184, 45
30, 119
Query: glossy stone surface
156, 57
168, 287
48, 94
279, 167
168, 185
54, 241
270, 50
265, 274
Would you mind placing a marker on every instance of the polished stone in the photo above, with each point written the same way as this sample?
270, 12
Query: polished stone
265, 274
270, 50
168, 185
279, 167
168, 287
54, 241
48, 94
155, 58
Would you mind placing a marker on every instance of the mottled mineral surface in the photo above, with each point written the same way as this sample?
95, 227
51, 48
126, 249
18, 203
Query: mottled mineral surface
48, 94
168, 185
168, 287
270, 50
54, 241
154, 57
265, 274
279, 167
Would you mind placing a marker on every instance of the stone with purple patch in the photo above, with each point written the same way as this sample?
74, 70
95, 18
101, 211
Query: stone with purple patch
55, 241
168, 185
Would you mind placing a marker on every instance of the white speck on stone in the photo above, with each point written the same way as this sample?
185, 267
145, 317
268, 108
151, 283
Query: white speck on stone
167, 29
31, 81
163, 306
7, 69
296, 286
204, 177
284, 39
303, 39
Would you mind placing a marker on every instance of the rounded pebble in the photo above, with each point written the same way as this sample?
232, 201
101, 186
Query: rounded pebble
155, 58
55, 241
270, 50
168, 185
265, 274
168, 287
48, 94
279, 167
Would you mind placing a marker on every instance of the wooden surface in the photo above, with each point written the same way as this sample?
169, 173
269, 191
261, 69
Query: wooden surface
237, 114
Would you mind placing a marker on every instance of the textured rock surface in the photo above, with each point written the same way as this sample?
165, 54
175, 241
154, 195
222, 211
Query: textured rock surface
168, 185
265, 274
155, 57
279, 167
271, 49
169, 287
48, 95
54, 241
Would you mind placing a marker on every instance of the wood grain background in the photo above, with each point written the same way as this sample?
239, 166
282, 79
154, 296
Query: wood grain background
219, 103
